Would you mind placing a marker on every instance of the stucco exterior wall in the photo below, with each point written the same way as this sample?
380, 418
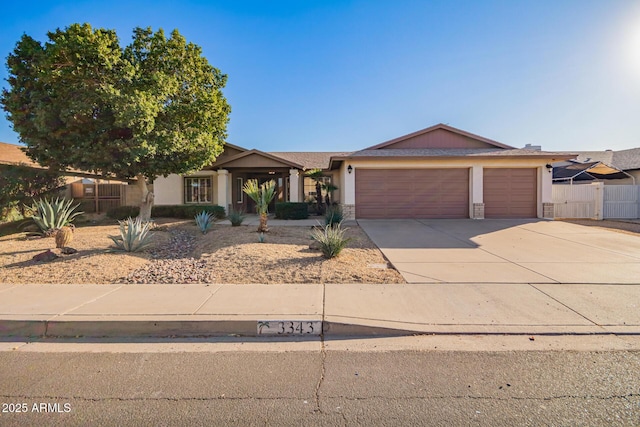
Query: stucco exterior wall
169, 190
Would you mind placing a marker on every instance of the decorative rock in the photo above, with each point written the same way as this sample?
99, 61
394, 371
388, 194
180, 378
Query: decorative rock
46, 256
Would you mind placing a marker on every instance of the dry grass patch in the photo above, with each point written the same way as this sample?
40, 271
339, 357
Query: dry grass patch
92, 264
234, 255
224, 255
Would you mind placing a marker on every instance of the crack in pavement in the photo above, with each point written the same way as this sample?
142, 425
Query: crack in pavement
323, 352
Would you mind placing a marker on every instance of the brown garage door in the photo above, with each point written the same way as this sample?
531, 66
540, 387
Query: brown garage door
412, 193
510, 193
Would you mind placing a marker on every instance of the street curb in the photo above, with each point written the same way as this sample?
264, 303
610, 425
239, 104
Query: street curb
248, 328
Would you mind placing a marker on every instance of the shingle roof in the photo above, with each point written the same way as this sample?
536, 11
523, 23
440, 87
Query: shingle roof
623, 159
11, 154
458, 152
310, 160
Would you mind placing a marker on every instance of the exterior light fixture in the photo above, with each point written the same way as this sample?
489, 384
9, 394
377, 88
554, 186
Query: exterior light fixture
349, 168
549, 167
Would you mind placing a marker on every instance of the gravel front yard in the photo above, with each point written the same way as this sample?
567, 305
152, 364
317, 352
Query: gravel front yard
182, 254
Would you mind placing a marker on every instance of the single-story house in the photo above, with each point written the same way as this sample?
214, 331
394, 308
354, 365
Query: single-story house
624, 167
437, 172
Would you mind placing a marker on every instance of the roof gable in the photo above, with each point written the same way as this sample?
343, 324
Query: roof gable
254, 159
440, 136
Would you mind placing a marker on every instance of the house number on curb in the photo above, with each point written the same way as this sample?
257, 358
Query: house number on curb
289, 327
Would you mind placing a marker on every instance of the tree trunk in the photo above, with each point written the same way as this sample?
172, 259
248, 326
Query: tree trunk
147, 198
319, 198
262, 228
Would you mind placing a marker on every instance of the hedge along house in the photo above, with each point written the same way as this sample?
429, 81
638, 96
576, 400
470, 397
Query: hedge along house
221, 183
437, 172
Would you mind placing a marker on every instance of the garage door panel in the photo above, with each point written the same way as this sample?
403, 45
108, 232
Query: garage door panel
412, 193
510, 192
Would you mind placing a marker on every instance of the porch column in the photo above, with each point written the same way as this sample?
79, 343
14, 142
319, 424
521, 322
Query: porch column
294, 185
546, 209
348, 181
223, 180
476, 188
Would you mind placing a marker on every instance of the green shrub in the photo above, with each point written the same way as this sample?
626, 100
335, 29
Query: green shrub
52, 215
331, 239
204, 221
123, 212
167, 211
236, 217
333, 216
135, 235
186, 211
291, 210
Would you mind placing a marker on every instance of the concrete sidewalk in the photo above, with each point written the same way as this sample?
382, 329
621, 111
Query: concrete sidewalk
343, 310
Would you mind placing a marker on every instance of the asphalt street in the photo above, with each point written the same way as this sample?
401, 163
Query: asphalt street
315, 383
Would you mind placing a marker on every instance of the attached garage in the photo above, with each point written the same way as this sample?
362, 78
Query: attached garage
412, 193
510, 192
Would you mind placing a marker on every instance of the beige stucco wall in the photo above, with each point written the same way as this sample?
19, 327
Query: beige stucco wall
168, 191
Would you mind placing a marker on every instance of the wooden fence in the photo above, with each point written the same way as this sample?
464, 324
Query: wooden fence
596, 201
98, 198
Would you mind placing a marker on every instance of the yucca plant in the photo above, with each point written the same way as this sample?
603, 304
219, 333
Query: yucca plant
262, 195
204, 221
51, 216
236, 217
331, 239
135, 235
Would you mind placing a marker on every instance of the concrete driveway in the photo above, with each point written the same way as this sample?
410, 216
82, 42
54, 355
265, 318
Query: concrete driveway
506, 251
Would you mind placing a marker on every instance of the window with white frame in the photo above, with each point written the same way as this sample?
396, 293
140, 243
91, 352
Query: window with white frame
197, 190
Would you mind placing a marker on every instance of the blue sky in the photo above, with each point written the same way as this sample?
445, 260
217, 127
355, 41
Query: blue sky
342, 75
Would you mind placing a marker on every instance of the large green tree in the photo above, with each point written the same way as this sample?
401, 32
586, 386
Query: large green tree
81, 100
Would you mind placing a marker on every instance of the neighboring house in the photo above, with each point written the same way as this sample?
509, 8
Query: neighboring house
624, 167
437, 172
79, 184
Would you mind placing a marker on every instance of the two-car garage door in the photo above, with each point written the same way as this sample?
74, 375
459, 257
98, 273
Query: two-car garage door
444, 193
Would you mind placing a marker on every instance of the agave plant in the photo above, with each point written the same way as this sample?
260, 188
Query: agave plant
135, 235
236, 217
262, 195
51, 215
204, 221
331, 239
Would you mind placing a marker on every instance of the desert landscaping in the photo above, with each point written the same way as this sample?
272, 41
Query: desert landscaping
181, 254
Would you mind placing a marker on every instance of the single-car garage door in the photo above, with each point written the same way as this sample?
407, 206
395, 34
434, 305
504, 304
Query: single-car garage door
510, 192
412, 193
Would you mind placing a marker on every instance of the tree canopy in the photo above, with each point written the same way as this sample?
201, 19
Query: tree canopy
81, 100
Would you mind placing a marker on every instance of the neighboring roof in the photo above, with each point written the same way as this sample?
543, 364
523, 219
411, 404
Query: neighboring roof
586, 172
310, 160
439, 126
11, 154
622, 159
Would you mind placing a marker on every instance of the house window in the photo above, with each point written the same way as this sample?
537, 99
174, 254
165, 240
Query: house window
197, 190
239, 187
310, 187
